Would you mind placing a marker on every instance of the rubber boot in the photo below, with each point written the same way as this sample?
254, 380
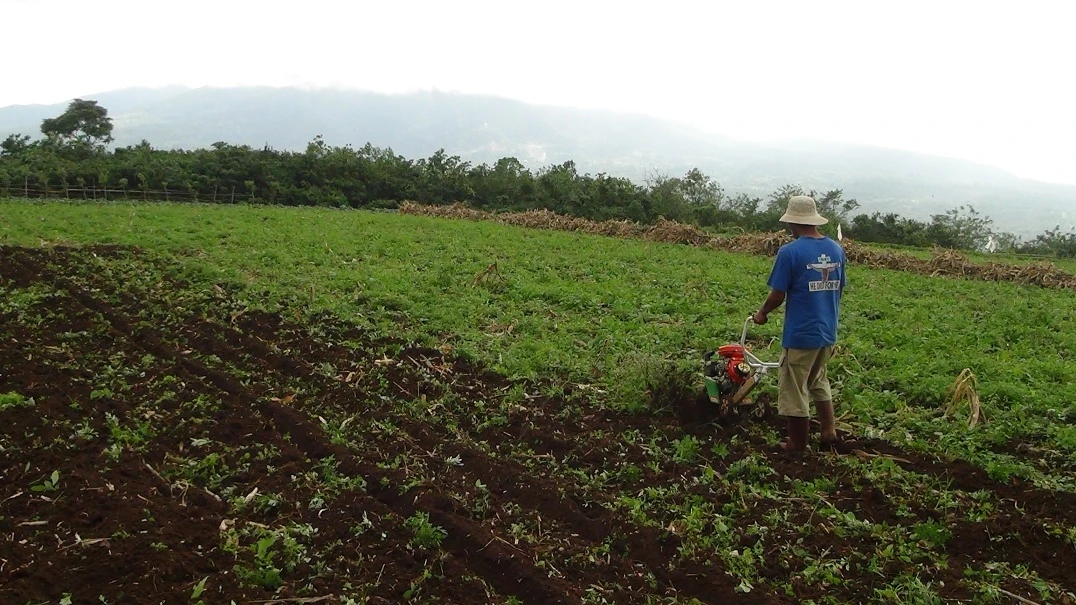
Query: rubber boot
799, 427
827, 424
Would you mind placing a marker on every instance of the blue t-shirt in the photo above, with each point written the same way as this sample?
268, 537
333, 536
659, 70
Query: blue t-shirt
811, 273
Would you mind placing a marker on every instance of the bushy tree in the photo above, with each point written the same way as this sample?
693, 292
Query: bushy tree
833, 206
1052, 242
888, 228
962, 228
700, 190
85, 124
666, 197
14, 144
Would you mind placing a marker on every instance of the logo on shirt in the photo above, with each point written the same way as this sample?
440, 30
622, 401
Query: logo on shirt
825, 266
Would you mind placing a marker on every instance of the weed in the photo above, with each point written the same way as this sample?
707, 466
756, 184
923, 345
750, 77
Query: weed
908, 590
750, 468
687, 449
49, 484
424, 534
264, 573
14, 400
198, 590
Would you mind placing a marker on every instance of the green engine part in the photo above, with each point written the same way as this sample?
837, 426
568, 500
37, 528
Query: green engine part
712, 390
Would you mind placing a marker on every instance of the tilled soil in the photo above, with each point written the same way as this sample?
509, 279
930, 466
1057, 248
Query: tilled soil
171, 445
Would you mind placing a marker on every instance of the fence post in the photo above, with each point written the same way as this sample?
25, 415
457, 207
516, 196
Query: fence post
214, 194
233, 195
26, 186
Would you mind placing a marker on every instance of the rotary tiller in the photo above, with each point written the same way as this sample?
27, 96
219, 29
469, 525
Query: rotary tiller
731, 373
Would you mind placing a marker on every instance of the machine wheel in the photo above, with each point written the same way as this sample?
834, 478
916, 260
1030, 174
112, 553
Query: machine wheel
758, 411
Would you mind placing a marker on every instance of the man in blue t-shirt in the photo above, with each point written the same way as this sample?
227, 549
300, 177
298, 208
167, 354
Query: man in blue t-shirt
809, 274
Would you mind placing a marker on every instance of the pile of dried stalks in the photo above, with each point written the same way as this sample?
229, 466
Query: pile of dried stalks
966, 389
766, 244
949, 263
672, 232
454, 211
942, 262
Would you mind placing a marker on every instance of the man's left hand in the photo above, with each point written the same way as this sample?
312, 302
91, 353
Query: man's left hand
760, 318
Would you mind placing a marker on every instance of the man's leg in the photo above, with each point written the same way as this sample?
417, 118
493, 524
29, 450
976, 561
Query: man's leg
818, 385
792, 398
827, 422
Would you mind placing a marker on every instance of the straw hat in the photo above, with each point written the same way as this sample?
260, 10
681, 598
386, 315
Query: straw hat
802, 211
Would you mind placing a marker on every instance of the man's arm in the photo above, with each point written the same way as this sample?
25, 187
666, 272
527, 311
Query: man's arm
774, 300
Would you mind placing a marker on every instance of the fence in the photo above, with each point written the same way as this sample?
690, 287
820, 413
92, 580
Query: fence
230, 195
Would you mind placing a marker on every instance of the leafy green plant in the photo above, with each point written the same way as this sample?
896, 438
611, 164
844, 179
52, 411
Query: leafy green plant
14, 400
424, 534
908, 590
198, 591
751, 467
49, 484
264, 572
687, 449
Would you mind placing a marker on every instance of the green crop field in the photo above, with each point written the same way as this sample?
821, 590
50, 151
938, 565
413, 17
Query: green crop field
378, 408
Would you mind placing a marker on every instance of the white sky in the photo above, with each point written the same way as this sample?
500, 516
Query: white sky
988, 81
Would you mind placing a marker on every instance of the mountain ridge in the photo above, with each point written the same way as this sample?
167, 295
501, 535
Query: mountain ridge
482, 129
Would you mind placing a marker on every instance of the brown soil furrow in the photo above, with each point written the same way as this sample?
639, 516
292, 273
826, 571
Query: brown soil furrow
595, 524
238, 397
510, 572
594, 528
508, 480
264, 381
1029, 500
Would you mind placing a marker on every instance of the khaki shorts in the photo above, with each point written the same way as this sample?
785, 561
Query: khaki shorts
802, 377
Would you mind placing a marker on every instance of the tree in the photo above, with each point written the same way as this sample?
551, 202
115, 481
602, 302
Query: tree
85, 124
830, 204
888, 228
743, 206
666, 197
14, 144
700, 190
778, 202
444, 179
833, 206
1053, 241
961, 228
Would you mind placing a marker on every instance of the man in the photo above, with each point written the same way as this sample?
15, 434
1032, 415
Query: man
810, 274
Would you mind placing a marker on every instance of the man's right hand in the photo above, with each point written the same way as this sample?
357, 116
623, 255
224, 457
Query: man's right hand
760, 318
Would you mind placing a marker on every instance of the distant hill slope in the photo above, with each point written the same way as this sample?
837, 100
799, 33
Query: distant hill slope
484, 129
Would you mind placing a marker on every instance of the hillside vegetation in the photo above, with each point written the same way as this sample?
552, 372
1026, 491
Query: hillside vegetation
483, 131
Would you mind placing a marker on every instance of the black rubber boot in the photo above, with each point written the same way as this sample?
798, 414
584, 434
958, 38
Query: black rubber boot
827, 424
799, 428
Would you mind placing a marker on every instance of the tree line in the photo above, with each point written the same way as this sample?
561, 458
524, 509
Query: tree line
73, 153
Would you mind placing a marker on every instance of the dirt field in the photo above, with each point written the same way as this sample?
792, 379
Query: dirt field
164, 445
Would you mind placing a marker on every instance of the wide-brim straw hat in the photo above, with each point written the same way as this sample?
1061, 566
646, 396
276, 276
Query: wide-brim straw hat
802, 211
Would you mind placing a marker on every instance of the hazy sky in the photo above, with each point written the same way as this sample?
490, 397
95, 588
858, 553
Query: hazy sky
988, 81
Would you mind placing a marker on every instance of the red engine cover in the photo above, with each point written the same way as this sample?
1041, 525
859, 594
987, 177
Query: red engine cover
731, 351
737, 370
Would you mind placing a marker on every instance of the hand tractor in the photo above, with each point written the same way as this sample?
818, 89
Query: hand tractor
730, 374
